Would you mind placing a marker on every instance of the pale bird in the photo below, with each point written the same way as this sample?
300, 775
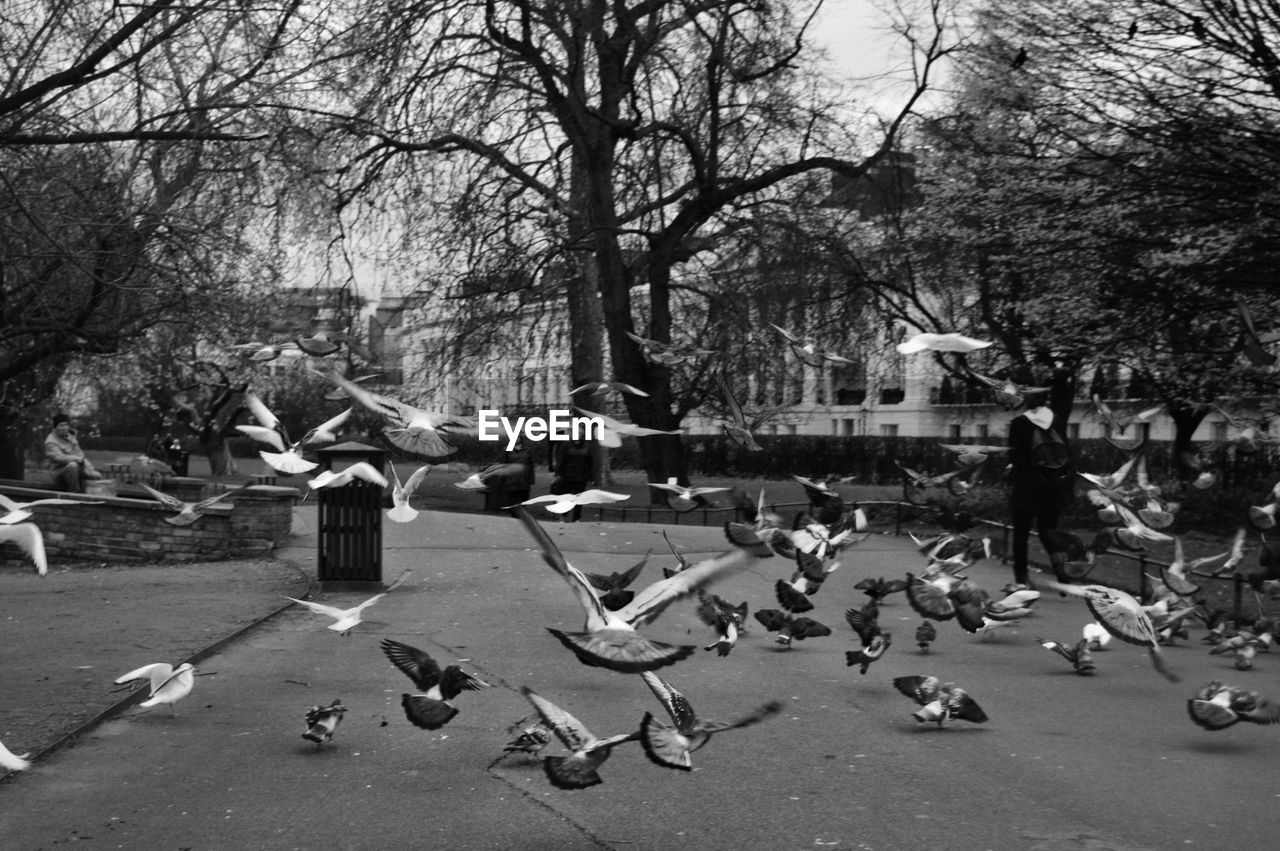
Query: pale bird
321, 722
359, 471
1097, 636
737, 429
287, 457
30, 540
11, 761
604, 386
189, 512
670, 745
669, 354
563, 503
807, 351
949, 342
588, 752
345, 620
684, 497
401, 511
167, 684
612, 431
19, 511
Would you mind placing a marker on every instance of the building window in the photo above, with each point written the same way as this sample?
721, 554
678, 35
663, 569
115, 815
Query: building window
892, 395
847, 428
1073, 431
953, 431
889, 430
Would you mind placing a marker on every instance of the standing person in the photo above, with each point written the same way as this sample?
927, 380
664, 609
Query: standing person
1041, 478
65, 457
573, 462
519, 474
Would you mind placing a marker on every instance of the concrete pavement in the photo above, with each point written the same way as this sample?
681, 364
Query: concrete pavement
1109, 761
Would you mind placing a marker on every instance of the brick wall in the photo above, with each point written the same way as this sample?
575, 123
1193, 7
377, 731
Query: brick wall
113, 528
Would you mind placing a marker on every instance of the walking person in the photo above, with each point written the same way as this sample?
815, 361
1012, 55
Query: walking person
70, 467
1040, 477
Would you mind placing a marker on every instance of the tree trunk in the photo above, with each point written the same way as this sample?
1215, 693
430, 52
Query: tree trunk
1186, 419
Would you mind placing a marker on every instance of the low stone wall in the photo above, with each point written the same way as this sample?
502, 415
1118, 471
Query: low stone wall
122, 528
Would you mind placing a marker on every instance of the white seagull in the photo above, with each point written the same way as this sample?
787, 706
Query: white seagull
612, 431
11, 761
562, 503
401, 511
29, 538
344, 620
951, 342
168, 684
188, 512
287, 457
18, 511
362, 470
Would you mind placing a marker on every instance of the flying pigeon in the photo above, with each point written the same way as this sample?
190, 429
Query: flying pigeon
939, 701
603, 386
321, 721
1122, 616
612, 431
790, 628
1217, 706
19, 511
431, 710
1010, 394
401, 511
879, 588
1078, 655
1094, 633
411, 429
869, 652
671, 745
345, 620
189, 512
684, 498
808, 352
669, 354
728, 621
577, 771
738, 430
610, 639
613, 587
763, 537
532, 735
167, 683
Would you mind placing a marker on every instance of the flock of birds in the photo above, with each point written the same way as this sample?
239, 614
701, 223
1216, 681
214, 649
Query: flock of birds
1132, 510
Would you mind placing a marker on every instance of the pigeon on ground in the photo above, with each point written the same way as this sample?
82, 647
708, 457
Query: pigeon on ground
401, 511
671, 745
1078, 655
30, 540
321, 721
189, 512
432, 709
167, 683
926, 634
577, 771
939, 701
1217, 706
344, 620
610, 639
11, 761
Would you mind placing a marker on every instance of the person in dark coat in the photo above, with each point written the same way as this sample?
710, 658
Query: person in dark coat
1040, 477
573, 463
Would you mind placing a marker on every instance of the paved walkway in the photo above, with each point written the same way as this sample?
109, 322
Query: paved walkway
1066, 762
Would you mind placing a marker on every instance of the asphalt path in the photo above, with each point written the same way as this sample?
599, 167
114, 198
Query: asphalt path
1065, 762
